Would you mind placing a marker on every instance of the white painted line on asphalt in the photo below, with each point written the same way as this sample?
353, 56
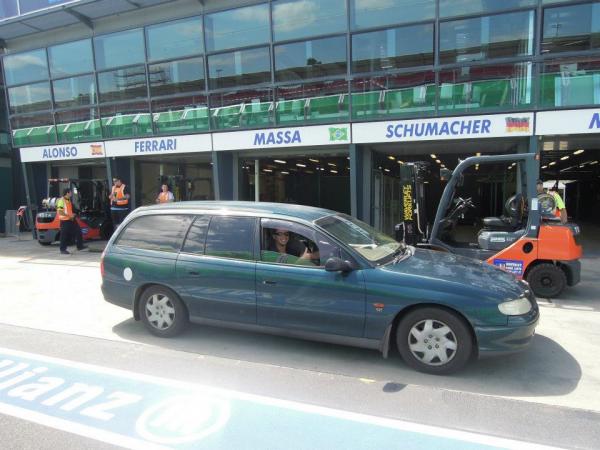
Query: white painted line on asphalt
79, 429
445, 433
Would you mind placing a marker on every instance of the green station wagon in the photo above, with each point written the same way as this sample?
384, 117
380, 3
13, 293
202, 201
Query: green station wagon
312, 273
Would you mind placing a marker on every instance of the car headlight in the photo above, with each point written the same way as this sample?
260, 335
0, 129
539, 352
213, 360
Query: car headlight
515, 307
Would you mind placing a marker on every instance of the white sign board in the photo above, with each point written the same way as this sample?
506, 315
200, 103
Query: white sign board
578, 121
467, 127
62, 152
283, 137
166, 145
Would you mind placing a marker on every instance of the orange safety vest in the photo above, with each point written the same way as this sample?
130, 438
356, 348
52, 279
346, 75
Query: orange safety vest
120, 196
67, 207
163, 197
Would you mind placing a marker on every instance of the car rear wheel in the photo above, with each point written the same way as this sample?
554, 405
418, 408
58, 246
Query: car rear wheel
547, 280
162, 312
434, 340
45, 243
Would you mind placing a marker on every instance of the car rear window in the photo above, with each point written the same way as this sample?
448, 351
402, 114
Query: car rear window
231, 237
163, 232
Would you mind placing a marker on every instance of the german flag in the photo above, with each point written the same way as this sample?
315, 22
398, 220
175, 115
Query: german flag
517, 124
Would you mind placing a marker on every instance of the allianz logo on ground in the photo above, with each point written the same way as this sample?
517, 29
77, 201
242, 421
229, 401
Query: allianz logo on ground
139, 411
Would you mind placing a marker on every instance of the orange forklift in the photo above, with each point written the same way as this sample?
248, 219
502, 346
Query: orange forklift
90, 202
527, 240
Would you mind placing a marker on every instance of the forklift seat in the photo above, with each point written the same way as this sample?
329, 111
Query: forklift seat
499, 223
513, 220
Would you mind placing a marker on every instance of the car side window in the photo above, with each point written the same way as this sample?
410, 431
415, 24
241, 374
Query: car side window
196, 237
231, 237
285, 242
162, 232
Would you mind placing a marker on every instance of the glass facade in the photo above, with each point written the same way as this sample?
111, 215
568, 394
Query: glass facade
321, 62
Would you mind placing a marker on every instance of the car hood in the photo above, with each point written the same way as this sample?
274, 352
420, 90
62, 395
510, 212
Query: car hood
450, 268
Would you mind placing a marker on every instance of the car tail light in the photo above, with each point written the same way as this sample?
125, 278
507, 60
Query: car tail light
102, 264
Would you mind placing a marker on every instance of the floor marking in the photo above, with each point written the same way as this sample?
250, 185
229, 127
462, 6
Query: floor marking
394, 424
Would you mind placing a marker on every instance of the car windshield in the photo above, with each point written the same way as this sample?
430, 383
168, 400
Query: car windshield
366, 240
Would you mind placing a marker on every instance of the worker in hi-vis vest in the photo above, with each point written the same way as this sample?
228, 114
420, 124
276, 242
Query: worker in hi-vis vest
119, 202
165, 196
69, 228
560, 210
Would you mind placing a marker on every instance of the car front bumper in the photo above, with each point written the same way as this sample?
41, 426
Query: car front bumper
514, 337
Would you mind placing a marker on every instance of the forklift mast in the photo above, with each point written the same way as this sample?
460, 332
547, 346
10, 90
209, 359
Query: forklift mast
414, 227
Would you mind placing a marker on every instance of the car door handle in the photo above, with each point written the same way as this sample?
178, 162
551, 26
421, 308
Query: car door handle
193, 272
269, 282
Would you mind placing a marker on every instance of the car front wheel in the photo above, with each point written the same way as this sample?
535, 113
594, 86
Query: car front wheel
162, 312
434, 340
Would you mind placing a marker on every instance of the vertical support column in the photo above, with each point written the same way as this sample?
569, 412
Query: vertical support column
26, 177
356, 181
223, 175
367, 184
235, 177
257, 180
109, 174
132, 189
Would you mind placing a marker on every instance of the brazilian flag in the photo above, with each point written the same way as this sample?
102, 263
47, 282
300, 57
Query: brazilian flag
338, 134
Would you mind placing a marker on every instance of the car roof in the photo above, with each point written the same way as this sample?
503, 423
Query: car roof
308, 213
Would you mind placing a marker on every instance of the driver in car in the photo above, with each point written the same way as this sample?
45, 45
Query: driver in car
281, 243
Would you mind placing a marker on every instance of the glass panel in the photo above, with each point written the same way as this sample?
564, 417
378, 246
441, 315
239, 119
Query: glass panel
230, 237
33, 130
369, 13
317, 102
407, 94
295, 20
71, 59
119, 49
33, 5
78, 126
239, 68
32, 97
449, 8
499, 36
196, 237
479, 88
570, 83
247, 108
310, 59
25, 67
176, 77
571, 28
122, 84
163, 233
239, 27
8, 8
393, 48
131, 120
74, 91
181, 115
175, 39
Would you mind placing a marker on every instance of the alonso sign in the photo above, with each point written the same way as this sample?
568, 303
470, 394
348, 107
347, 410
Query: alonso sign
63, 152
469, 127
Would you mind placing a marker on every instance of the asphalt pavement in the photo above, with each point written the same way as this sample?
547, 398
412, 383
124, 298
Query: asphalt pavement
547, 395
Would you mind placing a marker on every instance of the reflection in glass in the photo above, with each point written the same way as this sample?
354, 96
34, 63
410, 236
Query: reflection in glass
239, 27
570, 83
122, 84
230, 237
78, 125
8, 8
295, 20
74, 91
326, 101
126, 121
571, 28
242, 108
240, 68
406, 94
119, 49
175, 39
176, 77
31, 97
161, 232
310, 59
180, 114
476, 88
498, 36
71, 59
25, 67
393, 48
449, 8
379, 13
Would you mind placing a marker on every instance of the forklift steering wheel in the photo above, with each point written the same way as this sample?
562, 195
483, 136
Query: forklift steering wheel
515, 207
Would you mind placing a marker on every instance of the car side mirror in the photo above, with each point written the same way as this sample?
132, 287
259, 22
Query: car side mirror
336, 264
